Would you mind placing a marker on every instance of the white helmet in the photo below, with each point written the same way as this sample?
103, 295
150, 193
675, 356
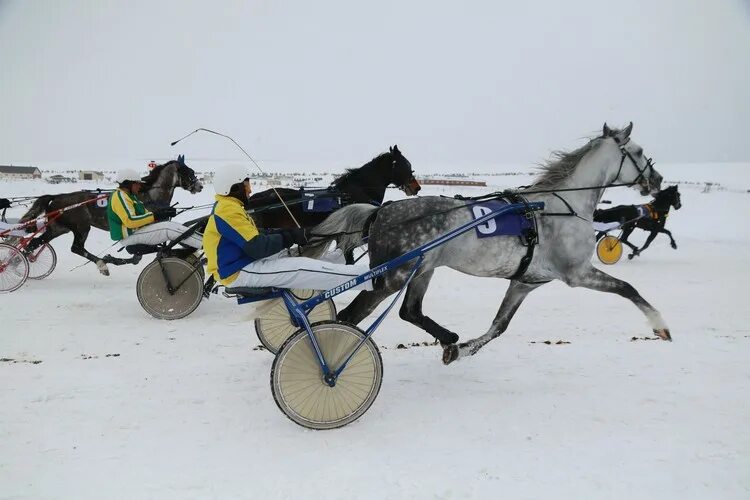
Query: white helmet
226, 177
128, 174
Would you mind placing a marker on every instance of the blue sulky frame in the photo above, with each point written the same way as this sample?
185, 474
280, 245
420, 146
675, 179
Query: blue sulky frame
298, 312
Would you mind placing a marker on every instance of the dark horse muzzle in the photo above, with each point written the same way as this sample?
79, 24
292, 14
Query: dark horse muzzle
411, 187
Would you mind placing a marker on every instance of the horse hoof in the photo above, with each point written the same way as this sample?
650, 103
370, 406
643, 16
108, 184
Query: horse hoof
674, 245
663, 334
630, 257
450, 354
102, 268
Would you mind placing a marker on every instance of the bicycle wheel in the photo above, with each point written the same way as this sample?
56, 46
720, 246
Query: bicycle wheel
155, 297
276, 326
42, 262
297, 381
14, 268
609, 250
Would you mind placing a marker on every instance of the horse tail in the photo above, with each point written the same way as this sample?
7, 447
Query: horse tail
345, 225
39, 207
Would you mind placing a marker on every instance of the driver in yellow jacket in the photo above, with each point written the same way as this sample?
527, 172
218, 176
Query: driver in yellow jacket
239, 255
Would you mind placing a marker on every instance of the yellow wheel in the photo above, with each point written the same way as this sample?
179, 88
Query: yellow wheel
275, 325
300, 390
609, 250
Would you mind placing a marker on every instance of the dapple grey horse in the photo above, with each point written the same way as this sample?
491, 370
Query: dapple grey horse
563, 253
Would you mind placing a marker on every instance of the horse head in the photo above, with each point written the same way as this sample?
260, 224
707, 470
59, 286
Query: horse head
402, 174
186, 176
671, 196
160, 183
634, 168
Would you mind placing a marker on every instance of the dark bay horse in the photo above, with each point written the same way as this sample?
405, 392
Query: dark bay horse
158, 189
366, 184
650, 217
573, 182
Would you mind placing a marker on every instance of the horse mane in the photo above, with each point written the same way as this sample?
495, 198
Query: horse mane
155, 172
351, 173
562, 164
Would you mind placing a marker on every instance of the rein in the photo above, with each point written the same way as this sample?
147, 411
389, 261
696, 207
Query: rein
516, 192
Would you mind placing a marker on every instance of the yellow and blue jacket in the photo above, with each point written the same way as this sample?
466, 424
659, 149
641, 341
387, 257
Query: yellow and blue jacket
231, 240
125, 214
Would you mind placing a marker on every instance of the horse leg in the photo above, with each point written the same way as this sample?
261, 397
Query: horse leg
363, 304
624, 239
514, 296
672, 242
648, 241
79, 239
411, 310
594, 279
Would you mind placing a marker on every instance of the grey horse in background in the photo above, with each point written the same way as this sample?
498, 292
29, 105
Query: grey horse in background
158, 189
563, 253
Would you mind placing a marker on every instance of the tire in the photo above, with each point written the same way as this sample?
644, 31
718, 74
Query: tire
609, 250
14, 268
297, 382
155, 298
42, 262
276, 326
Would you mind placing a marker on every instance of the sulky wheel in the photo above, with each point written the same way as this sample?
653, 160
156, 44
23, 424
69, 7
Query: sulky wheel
153, 292
42, 262
609, 250
297, 380
276, 326
14, 268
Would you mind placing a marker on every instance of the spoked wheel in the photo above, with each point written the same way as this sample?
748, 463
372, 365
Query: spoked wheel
276, 326
297, 379
609, 250
153, 293
42, 262
14, 268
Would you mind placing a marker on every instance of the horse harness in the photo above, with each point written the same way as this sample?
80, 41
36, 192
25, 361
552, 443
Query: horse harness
529, 236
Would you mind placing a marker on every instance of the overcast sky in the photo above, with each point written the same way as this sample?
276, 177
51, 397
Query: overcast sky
451, 82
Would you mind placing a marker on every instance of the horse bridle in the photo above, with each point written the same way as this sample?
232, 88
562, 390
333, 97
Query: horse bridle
405, 182
626, 154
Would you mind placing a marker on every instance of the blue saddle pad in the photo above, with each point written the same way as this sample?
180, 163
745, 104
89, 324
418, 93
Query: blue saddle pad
319, 201
511, 224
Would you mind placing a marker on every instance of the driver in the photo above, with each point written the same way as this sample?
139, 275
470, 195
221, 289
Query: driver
239, 255
131, 224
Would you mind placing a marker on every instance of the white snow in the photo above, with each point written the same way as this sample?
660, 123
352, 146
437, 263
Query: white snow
126, 406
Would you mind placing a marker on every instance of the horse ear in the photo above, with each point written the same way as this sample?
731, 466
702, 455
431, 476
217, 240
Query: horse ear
395, 148
181, 158
390, 150
606, 131
628, 129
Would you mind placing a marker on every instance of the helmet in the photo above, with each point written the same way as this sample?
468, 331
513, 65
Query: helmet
128, 174
226, 177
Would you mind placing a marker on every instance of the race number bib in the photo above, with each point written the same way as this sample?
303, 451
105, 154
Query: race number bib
503, 225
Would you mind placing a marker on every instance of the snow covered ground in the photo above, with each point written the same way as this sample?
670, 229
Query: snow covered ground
99, 400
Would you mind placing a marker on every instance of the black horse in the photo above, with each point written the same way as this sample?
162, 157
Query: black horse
650, 217
158, 188
366, 184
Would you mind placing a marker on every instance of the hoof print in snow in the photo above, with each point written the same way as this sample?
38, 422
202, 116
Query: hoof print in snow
114, 355
549, 342
259, 348
643, 338
401, 346
11, 360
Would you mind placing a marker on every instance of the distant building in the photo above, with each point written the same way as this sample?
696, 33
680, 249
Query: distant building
451, 182
90, 175
9, 172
